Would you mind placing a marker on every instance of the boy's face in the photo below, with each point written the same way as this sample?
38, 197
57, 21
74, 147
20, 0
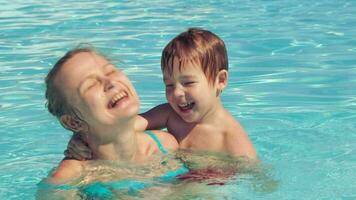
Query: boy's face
189, 92
102, 94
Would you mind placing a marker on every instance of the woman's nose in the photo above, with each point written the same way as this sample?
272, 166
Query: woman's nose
108, 84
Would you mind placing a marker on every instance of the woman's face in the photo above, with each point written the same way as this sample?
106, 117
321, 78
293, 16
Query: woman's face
101, 93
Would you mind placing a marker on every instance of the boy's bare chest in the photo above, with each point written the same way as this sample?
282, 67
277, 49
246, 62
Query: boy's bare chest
197, 136
203, 139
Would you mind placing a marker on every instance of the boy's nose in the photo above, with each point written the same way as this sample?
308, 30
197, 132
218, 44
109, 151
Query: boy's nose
178, 91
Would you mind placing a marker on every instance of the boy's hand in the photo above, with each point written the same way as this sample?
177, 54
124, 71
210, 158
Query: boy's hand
78, 149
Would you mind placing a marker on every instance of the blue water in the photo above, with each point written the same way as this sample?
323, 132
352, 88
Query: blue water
292, 82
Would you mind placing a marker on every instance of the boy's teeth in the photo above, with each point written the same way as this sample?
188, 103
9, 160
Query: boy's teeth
184, 105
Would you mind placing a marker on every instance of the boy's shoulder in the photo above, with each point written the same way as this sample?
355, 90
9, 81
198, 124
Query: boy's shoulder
229, 120
232, 127
237, 141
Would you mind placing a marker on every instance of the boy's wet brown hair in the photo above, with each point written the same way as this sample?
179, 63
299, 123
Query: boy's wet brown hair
197, 46
57, 104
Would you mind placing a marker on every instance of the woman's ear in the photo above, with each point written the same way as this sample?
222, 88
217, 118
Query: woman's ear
221, 80
72, 123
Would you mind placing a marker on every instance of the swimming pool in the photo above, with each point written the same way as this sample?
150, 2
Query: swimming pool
292, 82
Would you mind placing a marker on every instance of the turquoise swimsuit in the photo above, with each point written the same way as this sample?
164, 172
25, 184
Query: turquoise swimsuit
159, 144
103, 190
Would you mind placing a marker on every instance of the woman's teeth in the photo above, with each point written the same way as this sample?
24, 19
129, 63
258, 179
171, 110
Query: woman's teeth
117, 98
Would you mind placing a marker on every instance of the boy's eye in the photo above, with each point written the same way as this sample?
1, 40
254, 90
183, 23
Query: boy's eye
169, 85
188, 83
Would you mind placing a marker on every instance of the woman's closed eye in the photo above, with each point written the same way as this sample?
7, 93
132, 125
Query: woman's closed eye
90, 84
111, 72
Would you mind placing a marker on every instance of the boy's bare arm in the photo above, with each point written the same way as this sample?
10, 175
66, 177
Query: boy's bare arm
157, 117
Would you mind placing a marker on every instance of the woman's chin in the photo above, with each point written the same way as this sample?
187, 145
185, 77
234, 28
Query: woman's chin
128, 113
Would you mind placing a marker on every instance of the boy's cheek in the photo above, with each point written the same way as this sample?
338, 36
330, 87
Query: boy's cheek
168, 95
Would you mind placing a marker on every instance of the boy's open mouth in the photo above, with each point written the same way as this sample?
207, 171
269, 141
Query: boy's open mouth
186, 106
117, 98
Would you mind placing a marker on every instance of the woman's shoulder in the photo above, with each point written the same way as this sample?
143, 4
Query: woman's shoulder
67, 171
166, 139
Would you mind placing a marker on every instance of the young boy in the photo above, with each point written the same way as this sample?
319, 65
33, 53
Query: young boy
195, 72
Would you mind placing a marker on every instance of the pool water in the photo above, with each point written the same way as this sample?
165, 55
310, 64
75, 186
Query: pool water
292, 82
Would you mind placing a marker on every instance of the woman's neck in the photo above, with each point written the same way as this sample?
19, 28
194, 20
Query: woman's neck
119, 143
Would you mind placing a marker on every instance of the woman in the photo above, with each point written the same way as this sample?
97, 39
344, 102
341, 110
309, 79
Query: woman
92, 98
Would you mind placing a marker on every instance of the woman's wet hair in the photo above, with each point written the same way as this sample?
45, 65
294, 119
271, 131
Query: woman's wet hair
196, 46
57, 103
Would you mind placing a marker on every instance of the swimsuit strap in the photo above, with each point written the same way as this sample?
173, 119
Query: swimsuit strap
159, 144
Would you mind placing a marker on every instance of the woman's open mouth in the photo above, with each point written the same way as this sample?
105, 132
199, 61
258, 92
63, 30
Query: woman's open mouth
117, 98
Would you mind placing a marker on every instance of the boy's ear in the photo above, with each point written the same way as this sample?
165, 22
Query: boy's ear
71, 123
221, 79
